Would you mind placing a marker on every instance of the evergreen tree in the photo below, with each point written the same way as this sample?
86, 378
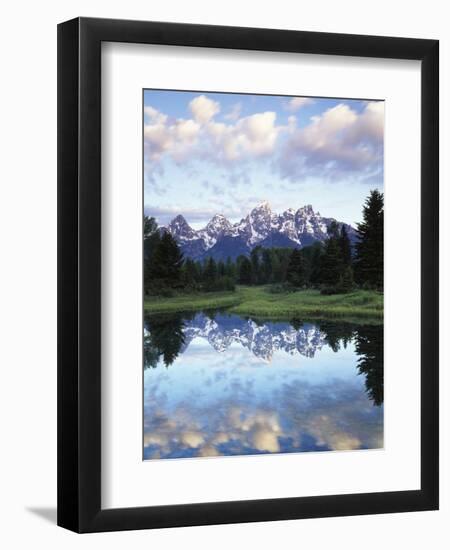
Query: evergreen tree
210, 273
296, 269
331, 264
190, 275
369, 347
266, 267
285, 256
254, 258
347, 282
220, 268
166, 336
151, 241
150, 226
316, 264
245, 272
346, 247
167, 262
277, 267
369, 246
199, 271
230, 269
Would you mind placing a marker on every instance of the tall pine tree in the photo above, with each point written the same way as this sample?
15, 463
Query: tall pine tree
266, 267
167, 262
346, 247
245, 272
369, 246
256, 271
210, 273
151, 241
296, 269
331, 263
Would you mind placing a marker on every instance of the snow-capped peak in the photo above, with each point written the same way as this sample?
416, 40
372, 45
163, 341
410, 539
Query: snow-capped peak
178, 220
292, 228
261, 340
264, 206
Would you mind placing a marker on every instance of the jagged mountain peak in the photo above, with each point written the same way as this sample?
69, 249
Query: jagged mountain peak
217, 227
179, 219
218, 219
263, 209
261, 340
306, 209
289, 212
220, 239
263, 205
180, 229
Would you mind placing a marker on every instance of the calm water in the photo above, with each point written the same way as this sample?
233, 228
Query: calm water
226, 385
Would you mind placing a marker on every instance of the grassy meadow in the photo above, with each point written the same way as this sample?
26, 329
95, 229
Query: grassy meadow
259, 302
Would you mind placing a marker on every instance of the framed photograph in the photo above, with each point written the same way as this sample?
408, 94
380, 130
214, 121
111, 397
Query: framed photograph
248, 275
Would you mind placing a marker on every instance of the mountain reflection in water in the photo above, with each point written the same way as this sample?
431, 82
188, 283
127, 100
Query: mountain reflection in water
219, 384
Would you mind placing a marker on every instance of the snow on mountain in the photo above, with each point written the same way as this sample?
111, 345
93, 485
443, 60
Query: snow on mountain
220, 239
262, 340
216, 228
180, 229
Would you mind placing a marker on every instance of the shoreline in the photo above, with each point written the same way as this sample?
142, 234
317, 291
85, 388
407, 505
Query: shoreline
360, 306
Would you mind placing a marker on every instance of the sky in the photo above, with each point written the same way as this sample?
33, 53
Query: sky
220, 153
210, 403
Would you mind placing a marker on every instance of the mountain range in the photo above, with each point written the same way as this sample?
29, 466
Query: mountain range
221, 239
262, 340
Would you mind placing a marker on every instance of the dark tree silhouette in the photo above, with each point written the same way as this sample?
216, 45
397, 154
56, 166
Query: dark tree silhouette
230, 269
221, 268
337, 333
210, 273
346, 247
369, 342
166, 338
331, 264
245, 272
150, 226
190, 273
167, 262
369, 246
266, 267
256, 268
151, 241
296, 269
347, 283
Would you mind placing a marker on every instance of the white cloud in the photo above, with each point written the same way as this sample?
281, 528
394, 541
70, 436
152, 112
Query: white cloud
340, 140
155, 116
251, 136
192, 438
203, 109
163, 136
203, 137
297, 103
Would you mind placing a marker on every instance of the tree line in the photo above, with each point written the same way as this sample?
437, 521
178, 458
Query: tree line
165, 338
334, 266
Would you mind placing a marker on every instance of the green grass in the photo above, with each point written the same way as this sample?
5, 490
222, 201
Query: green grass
307, 304
192, 302
358, 306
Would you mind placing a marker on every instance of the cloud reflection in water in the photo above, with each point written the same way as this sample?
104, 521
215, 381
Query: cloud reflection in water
221, 395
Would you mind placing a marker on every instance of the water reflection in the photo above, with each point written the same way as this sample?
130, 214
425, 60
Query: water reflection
225, 385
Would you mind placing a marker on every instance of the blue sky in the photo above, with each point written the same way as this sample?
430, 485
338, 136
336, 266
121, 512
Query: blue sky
208, 153
210, 403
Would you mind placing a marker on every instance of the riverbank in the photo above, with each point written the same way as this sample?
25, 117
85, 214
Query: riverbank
259, 302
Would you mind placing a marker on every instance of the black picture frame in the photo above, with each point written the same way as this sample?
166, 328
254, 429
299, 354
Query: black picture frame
79, 274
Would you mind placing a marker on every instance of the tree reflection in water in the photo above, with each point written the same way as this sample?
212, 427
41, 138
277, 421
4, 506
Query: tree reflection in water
165, 337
